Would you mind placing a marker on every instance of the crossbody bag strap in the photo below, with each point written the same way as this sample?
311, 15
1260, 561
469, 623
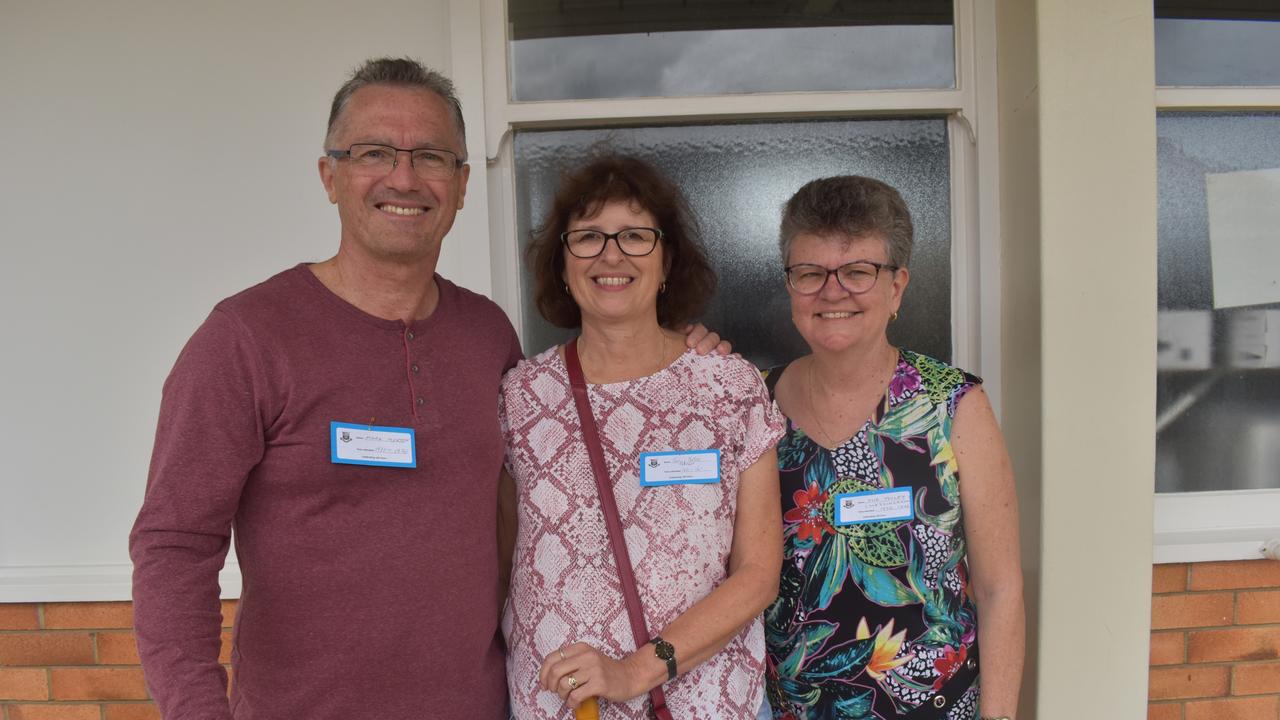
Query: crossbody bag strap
609, 507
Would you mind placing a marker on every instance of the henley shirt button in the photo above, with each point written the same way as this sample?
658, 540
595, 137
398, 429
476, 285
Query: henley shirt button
409, 334
420, 401
414, 367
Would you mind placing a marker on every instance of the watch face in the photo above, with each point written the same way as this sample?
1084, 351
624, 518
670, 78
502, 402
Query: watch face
664, 650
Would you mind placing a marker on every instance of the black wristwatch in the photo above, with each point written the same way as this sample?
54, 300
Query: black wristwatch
666, 652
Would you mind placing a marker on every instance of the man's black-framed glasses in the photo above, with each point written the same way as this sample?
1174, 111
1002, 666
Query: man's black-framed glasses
429, 163
855, 277
636, 241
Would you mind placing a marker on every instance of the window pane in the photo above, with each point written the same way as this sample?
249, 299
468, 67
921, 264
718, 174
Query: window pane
736, 178
594, 49
1218, 423
1202, 48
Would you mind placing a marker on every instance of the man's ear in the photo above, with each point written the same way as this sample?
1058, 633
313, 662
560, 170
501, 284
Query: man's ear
464, 173
325, 166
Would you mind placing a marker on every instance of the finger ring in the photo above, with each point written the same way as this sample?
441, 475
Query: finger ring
573, 682
561, 651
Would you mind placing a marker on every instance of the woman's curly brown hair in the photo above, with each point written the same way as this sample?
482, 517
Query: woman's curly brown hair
583, 192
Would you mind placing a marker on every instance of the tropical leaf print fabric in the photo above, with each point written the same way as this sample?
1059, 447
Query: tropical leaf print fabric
872, 619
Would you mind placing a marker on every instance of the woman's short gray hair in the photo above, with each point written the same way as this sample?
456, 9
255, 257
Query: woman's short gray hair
398, 72
851, 206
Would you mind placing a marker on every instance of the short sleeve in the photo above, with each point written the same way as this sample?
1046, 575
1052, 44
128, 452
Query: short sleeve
761, 421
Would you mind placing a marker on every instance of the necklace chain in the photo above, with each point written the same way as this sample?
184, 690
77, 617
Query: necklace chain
813, 405
662, 351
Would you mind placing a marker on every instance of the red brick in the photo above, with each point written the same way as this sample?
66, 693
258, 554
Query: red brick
1164, 711
1258, 606
117, 648
229, 612
1263, 708
1235, 574
1187, 611
19, 617
1168, 648
57, 711
46, 649
88, 615
1188, 682
1169, 578
121, 648
1255, 679
24, 684
132, 711
99, 684
1255, 643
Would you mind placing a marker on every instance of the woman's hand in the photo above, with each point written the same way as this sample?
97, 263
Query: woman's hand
578, 671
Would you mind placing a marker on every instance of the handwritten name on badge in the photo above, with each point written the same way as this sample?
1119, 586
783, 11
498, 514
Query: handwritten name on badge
352, 444
674, 467
874, 506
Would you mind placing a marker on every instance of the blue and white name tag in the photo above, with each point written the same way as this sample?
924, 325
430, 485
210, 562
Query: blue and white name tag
352, 444
675, 467
874, 506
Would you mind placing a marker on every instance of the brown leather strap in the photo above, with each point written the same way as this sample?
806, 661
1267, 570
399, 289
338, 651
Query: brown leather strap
609, 507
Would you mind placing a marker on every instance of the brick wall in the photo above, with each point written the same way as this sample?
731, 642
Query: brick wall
76, 661
1215, 641
1215, 651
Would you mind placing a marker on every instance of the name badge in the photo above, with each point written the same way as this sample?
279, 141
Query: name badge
352, 444
675, 467
874, 506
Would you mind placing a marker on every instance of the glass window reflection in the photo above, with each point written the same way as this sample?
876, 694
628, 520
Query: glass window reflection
1218, 406
1207, 44
724, 47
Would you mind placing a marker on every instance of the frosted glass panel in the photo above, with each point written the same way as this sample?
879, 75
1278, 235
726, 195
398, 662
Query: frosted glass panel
1218, 387
1204, 52
736, 178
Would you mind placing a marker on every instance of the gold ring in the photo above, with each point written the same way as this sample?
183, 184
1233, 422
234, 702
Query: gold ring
573, 682
561, 651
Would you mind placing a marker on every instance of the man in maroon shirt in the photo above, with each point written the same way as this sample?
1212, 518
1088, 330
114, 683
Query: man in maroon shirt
342, 416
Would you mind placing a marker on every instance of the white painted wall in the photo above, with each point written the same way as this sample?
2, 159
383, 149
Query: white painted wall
157, 157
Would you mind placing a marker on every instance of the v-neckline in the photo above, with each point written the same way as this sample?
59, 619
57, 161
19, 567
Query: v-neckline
878, 411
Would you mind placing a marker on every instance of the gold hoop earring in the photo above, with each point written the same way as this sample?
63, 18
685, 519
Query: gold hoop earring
566, 289
662, 288
894, 316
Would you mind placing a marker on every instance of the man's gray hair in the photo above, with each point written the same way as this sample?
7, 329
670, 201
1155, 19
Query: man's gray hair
398, 72
851, 206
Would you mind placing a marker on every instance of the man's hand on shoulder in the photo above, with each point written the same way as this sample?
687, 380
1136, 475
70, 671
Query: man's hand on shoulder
705, 341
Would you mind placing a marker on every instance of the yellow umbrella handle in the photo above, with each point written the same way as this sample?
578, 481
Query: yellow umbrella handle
588, 710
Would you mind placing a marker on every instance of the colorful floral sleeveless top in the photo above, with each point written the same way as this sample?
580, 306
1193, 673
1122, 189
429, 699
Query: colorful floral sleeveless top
873, 617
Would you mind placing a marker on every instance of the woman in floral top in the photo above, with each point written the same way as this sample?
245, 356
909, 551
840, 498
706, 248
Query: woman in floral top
888, 589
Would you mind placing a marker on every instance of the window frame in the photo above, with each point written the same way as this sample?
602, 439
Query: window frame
1221, 524
969, 109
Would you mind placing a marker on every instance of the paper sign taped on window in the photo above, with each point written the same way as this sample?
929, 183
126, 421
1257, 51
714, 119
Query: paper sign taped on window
1244, 236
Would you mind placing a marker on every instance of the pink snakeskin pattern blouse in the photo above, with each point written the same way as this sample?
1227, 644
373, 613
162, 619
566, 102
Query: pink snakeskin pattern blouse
565, 585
